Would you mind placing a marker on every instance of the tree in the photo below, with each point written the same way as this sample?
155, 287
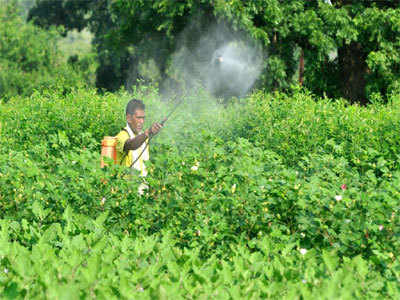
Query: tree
69, 14
363, 33
350, 48
29, 58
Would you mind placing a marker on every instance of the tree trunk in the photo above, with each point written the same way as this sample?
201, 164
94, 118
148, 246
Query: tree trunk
301, 67
353, 70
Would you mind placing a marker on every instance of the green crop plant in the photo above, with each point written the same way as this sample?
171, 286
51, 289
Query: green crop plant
272, 196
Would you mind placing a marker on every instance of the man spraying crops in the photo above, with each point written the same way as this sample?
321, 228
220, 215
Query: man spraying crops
132, 141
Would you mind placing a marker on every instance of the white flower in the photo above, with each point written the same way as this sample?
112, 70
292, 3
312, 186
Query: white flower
139, 288
233, 188
195, 167
380, 227
103, 200
303, 251
347, 221
304, 281
302, 234
5, 270
142, 188
338, 197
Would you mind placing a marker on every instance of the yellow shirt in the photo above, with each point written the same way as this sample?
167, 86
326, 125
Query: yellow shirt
126, 159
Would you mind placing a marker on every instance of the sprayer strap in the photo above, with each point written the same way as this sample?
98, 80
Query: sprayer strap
125, 153
141, 153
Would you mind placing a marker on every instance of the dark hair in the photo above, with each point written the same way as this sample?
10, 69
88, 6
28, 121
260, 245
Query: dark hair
133, 105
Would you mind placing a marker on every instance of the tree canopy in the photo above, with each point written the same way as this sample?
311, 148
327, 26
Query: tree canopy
30, 58
350, 49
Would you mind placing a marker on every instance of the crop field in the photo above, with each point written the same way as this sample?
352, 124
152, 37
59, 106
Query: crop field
277, 176
271, 196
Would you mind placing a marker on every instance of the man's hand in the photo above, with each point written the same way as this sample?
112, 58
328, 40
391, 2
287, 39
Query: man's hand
154, 129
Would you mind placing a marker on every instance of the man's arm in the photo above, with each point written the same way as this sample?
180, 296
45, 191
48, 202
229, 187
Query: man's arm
137, 141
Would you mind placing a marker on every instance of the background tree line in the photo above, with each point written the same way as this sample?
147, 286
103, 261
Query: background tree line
31, 59
340, 48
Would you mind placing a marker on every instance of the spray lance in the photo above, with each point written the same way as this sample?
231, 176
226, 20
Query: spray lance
162, 123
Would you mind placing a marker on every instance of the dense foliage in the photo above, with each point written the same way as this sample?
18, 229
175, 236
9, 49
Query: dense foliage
29, 58
278, 195
273, 196
350, 48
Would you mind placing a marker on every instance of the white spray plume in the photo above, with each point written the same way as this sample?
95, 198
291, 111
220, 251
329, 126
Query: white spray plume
213, 60
224, 63
234, 69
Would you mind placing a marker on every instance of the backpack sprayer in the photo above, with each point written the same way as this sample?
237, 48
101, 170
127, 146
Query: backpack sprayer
109, 143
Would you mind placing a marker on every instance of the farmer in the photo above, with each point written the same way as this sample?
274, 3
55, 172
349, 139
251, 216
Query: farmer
132, 148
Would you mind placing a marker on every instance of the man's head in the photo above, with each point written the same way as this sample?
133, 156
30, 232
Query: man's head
135, 115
